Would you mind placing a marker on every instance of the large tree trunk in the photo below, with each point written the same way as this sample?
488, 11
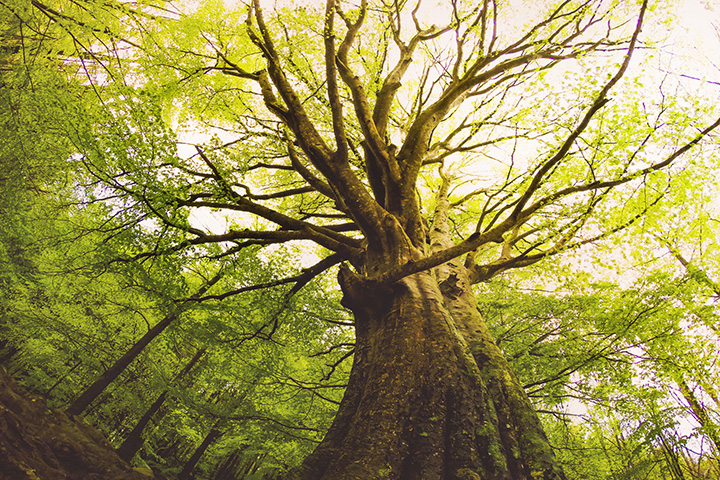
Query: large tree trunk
37, 442
428, 398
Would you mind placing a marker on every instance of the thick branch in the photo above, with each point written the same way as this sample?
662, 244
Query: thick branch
322, 236
332, 85
363, 208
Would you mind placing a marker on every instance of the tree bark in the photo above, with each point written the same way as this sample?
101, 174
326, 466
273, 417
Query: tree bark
430, 395
37, 442
428, 398
228, 467
209, 439
134, 441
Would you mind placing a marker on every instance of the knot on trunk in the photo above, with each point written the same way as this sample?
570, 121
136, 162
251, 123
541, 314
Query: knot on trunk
365, 298
450, 288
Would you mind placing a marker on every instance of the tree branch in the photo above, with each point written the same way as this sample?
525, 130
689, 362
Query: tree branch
599, 102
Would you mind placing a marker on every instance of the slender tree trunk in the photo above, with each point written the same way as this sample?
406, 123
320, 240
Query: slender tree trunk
97, 387
228, 468
672, 458
175, 448
61, 379
134, 441
252, 466
699, 412
209, 439
7, 353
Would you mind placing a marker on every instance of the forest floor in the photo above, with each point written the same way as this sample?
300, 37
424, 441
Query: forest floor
41, 443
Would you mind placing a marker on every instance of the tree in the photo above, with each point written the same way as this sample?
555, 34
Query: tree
134, 441
429, 395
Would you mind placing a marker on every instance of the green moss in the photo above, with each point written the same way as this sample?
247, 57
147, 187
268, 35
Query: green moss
383, 473
496, 455
486, 429
467, 474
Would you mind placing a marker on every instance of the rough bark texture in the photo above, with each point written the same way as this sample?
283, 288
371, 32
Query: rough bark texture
422, 404
39, 443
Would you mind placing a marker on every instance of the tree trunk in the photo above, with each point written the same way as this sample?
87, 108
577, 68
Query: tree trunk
228, 467
99, 385
430, 396
709, 427
37, 442
134, 441
209, 439
61, 379
94, 390
7, 352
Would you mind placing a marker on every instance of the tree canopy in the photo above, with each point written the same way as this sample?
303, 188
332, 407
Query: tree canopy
372, 239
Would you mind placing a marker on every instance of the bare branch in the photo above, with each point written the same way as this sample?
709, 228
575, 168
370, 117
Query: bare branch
363, 208
324, 237
331, 78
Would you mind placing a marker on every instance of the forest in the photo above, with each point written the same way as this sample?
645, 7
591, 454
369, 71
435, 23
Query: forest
359, 239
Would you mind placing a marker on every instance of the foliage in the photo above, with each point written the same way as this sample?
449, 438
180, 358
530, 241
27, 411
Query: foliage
198, 162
